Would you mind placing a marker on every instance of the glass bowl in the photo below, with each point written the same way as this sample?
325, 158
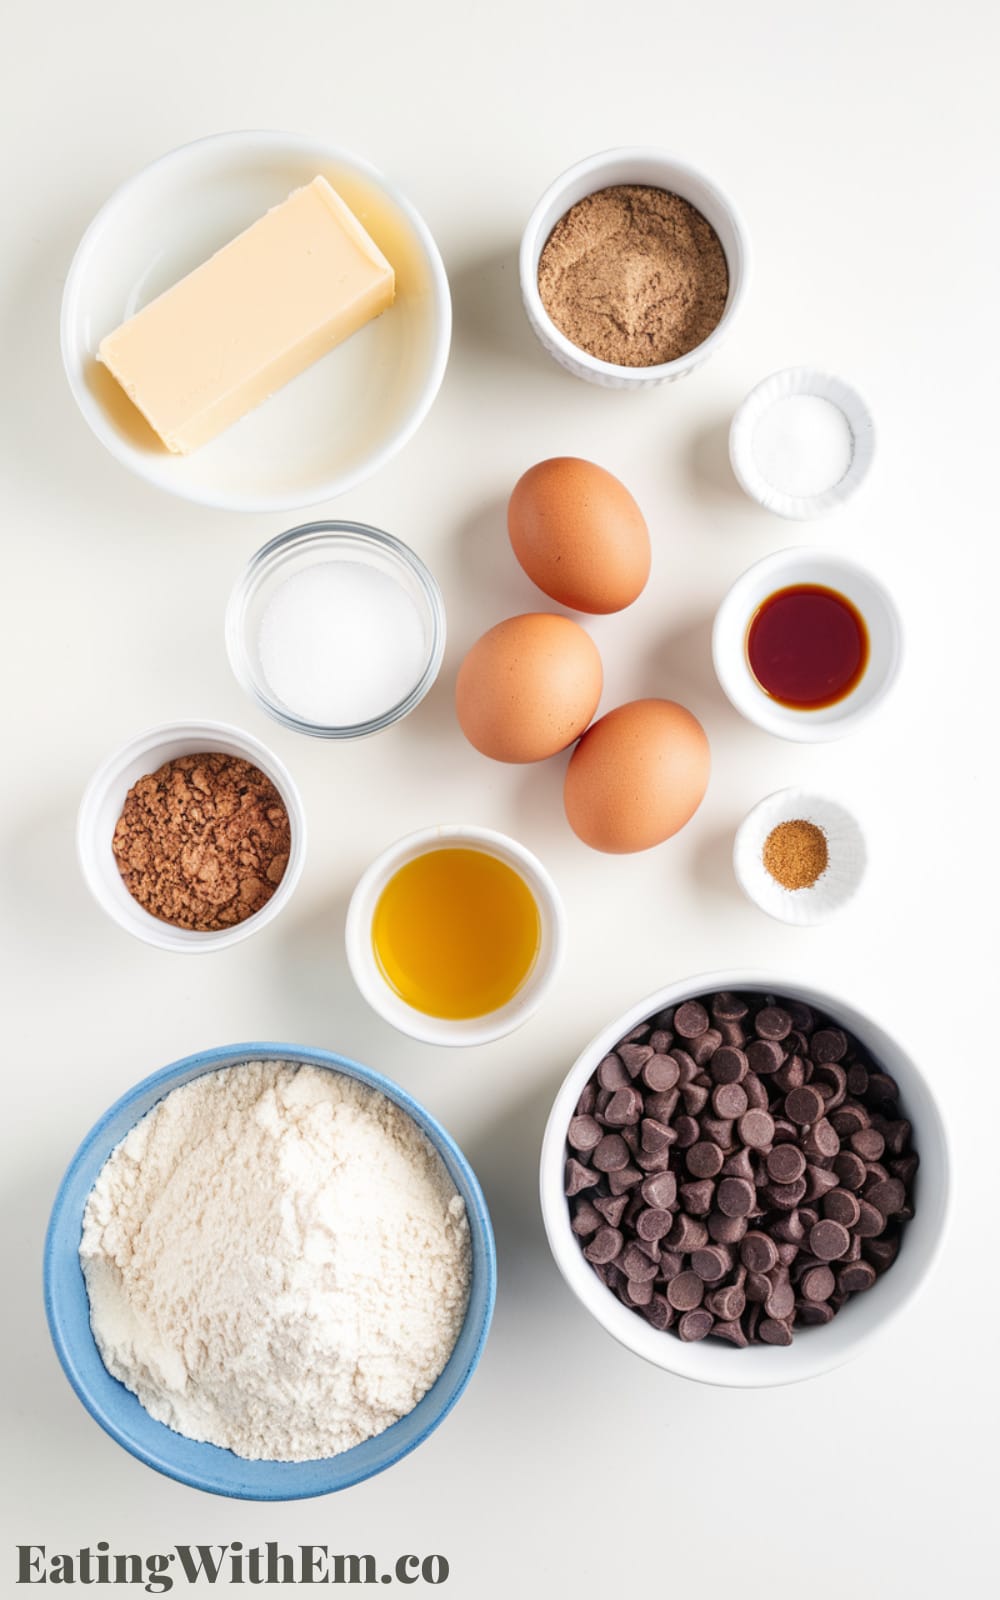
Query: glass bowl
314, 544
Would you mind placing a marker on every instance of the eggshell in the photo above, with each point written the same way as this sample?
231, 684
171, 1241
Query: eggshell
637, 776
579, 535
528, 687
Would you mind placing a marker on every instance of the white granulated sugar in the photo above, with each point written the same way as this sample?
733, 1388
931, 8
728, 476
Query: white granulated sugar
803, 445
341, 643
277, 1261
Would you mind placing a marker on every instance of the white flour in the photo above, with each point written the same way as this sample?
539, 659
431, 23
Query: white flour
277, 1261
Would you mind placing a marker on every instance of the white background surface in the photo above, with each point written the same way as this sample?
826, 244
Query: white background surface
858, 140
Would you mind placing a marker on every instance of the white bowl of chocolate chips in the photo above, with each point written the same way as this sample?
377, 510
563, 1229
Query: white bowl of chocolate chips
744, 1179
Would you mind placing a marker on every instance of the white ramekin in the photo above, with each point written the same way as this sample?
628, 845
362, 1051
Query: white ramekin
101, 807
846, 865
447, 1030
644, 166
814, 1350
779, 386
782, 570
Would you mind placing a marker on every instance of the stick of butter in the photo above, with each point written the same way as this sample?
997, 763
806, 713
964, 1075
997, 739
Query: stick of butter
256, 314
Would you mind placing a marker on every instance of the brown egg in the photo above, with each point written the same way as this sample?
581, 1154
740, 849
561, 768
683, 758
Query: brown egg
637, 776
528, 687
579, 535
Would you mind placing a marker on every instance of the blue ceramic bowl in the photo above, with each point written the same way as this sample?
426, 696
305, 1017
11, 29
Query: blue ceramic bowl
206, 1466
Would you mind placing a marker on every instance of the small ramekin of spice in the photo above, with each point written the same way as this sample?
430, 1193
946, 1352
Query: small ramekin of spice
192, 836
336, 629
633, 267
799, 856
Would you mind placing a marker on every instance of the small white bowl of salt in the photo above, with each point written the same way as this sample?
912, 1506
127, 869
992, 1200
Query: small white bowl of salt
801, 442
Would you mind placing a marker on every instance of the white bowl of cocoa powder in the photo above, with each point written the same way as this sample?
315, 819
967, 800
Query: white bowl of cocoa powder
191, 836
633, 266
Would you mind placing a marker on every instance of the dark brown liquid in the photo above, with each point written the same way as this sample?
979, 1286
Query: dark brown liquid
807, 646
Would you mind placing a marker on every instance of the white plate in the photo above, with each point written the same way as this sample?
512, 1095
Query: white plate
342, 418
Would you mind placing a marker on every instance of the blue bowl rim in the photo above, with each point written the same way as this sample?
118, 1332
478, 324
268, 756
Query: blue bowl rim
217, 1058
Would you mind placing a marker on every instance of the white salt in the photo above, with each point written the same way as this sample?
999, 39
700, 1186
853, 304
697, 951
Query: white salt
803, 445
341, 643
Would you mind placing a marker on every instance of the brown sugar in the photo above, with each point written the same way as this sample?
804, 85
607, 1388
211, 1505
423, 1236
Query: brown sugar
796, 853
203, 842
634, 275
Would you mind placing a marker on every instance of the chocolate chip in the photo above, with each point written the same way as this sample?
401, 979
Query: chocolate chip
738, 1165
695, 1097
604, 1246
724, 1229
655, 1135
704, 1159
735, 1197
829, 1240
728, 1007
728, 1304
660, 1073
729, 1100
611, 1154
822, 1141
712, 1262
720, 1130
638, 1292
828, 1044
784, 1196
636, 1263
817, 1284
850, 1169
773, 1332
856, 1277
780, 1303
764, 1056
584, 1133
785, 1163
659, 1313
578, 1177
624, 1107
612, 1073
843, 1206
791, 1074
612, 1209
731, 1331
697, 1198
686, 1291
586, 1218
813, 1312
660, 1191
889, 1196
868, 1143
695, 1325
661, 1039
804, 1105
690, 1019
728, 1065
773, 1022
756, 1129
687, 1234
624, 1178
871, 1221
758, 1252
882, 1252
652, 1223
635, 1057
688, 1132
704, 1047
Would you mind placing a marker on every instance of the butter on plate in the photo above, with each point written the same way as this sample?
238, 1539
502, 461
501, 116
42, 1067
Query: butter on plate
297, 282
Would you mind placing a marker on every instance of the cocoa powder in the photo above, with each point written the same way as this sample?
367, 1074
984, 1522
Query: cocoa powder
634, 275
203, 842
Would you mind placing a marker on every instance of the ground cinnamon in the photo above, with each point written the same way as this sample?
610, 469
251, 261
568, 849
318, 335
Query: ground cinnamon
203, 842
796, 853
634, 275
